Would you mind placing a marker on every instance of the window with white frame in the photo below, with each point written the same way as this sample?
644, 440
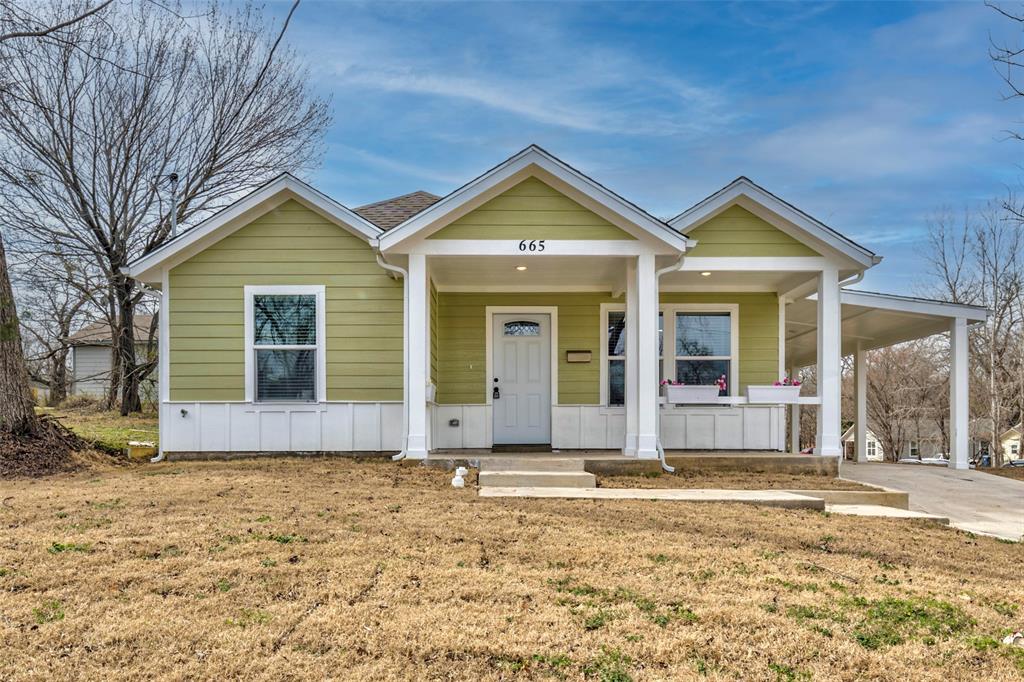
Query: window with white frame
703, 343
703, 340
1015, 449
284, 333
872, 448
915, 449
616, 362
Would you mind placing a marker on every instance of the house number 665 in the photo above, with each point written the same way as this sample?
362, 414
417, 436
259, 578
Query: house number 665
532, 245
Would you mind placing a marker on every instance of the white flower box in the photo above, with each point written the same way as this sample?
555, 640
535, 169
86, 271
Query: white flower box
684, 395
773, 394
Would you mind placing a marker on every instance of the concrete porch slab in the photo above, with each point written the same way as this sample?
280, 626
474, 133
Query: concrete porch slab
767, 498
878, 510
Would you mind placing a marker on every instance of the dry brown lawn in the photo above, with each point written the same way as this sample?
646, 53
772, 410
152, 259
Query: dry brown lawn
729, 480
333, 568
1016, 473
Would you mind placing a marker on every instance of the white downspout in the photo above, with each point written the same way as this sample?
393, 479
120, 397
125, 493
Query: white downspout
404, 274
675, 267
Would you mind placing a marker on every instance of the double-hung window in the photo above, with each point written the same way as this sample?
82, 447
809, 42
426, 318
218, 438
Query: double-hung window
703, 339
616, 330
285, 351
872, 449
704, 348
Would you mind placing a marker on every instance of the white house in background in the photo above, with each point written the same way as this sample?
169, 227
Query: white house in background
91, 359
1010, 441
874, 450
531, 305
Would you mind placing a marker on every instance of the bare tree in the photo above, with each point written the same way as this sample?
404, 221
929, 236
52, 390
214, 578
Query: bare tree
17, 414
56, 297
976, 259
93, 126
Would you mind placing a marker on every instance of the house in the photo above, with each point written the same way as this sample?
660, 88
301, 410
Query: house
91, 359
1010, 442
875, 451
532, 305
920, 440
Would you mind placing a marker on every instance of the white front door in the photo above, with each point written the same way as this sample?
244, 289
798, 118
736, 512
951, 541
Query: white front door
521, 385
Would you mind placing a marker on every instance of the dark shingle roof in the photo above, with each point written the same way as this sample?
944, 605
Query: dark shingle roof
392, 212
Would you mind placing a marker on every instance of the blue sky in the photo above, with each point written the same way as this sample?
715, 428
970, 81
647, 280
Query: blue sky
871, 117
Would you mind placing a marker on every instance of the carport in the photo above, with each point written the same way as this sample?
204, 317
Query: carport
872, 320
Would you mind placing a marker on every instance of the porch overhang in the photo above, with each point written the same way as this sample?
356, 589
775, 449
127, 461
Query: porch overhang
872, 320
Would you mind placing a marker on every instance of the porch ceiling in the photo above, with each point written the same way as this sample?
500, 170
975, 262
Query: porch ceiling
874, 320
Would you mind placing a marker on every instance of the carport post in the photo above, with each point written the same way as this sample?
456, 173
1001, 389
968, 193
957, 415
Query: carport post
860, 379
794, 418
829, 377
958, 402
632, 353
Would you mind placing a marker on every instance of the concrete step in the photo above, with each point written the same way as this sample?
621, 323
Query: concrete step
887, 512
537, 479
538, 464
766, 498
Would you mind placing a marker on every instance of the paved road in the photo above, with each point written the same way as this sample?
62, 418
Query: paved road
972, 500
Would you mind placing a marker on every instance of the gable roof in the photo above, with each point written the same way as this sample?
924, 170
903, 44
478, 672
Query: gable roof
98, 333
533, 161
750, 195
258, 202
389, 213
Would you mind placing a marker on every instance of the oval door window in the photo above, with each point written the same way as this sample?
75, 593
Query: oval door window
522, 328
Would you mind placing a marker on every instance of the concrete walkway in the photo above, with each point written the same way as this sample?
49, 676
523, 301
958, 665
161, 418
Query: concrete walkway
971, 500
768, 498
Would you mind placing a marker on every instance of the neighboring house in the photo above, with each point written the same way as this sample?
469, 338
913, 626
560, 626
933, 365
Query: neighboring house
40, 391
1010, 441
875, 451
526, 307
920, 441
91, 359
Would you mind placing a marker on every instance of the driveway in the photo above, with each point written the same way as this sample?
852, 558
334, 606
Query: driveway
972, 500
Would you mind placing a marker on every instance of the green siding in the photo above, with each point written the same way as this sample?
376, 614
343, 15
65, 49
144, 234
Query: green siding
758, 327
462, 329
289, 245
738, 232
531, 210
461, 339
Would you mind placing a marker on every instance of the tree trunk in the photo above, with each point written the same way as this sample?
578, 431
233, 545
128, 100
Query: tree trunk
17, 410
58, 379
126, 367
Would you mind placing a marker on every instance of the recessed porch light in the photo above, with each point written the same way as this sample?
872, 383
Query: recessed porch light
705, 274
520, 268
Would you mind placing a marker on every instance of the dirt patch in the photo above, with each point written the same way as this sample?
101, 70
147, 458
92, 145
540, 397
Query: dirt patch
51, 450
316, 568
730, 481
1016, 473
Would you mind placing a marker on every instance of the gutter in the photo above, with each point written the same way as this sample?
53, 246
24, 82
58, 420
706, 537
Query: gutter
675, 267
404, 274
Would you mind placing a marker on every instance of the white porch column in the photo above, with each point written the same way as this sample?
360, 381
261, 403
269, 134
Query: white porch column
794, 418
416, 390
860, 381
829, 374
647, 360
632, 344
959, 456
